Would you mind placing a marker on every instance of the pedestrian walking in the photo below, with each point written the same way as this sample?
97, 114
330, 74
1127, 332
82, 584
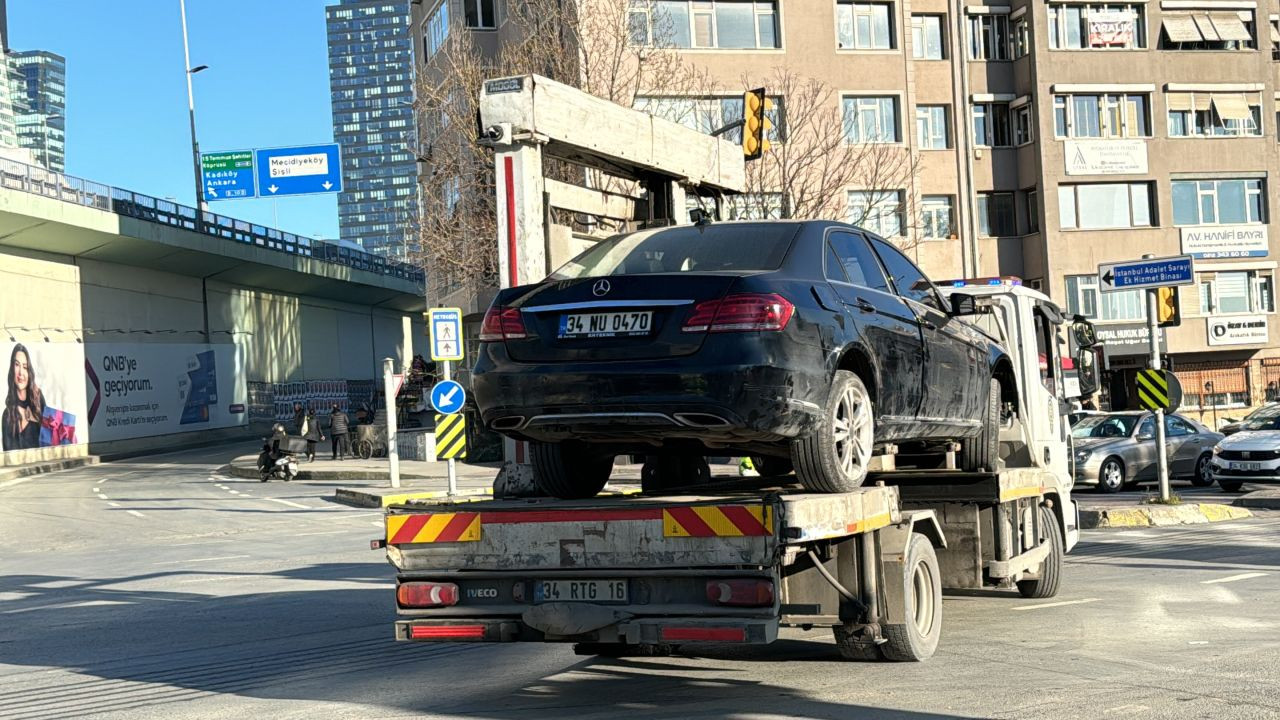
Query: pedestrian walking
311, 432
299, 417
339, 427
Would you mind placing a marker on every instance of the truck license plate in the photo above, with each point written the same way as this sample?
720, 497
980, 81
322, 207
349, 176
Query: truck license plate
601, 591
1246, 466
608, 324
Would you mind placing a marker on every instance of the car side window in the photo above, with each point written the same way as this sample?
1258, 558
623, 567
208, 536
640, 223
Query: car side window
1175, 426
858, 261
1148, 427
907, 278
834, 269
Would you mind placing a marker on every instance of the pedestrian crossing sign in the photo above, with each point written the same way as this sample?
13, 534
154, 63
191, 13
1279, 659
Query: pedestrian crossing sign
444, 325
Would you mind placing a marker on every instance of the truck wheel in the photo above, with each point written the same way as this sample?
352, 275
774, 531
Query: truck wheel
1046, 585
664, 472
569, 471
835, 457
1203, 476
769, 466
1230, 486
917, 638
853, 645
983, 452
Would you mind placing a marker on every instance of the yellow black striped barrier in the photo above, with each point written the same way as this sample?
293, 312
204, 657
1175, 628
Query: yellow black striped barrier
451, 437
1153, 389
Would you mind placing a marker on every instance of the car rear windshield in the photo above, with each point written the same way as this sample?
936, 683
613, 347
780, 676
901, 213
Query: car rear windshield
688, 248
1102, 426
1267, 419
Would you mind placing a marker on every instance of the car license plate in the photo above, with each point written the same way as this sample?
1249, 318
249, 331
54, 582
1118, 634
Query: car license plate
1245, 466
601, 591
608, 324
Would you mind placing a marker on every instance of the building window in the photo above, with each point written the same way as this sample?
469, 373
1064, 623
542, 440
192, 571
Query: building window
1033, 211
864, 26
480, 14
995, 215
707, 114
1097, 27
989, 37
1205, 30
931, 127
871, 119
435, 29
880, 211
1218, 202
1022, 132
1205, 114
1021, 38
991, 124
1237, 293
1274, 28
1084, 299
1101, 116
723, 24
936, 216
1100, 206
926, 37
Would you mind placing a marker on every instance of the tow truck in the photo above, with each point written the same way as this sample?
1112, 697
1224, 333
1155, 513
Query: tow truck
737, 561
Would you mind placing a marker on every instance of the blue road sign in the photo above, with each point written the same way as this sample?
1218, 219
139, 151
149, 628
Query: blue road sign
227, 175
301, 170
448, 397
1149, 273
445, 327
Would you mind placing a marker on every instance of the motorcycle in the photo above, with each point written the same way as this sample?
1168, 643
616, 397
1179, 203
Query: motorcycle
282, 465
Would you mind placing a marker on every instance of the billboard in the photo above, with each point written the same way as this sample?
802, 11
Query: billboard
44, 401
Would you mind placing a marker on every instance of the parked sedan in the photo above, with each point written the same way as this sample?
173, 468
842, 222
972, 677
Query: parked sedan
1231, 427
1115, 450
1252, 454
802, 343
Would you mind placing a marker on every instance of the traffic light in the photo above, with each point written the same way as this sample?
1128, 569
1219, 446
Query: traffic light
1168, 311
756, 123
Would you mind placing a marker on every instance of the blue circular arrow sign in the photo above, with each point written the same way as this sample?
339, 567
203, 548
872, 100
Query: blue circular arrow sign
448, 397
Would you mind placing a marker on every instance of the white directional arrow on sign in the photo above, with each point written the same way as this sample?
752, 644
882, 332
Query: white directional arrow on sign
326, 184
210, 191
447, 398
273, 188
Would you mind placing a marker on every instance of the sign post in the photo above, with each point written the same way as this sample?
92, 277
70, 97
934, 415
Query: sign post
444, 325
1151, 273
389, 389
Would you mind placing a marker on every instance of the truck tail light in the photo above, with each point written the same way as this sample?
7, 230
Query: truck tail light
502, 324
426, 594
704, 634
740, 593
742, 312
447, 632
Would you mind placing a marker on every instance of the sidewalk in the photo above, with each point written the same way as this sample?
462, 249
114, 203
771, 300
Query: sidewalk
14, 474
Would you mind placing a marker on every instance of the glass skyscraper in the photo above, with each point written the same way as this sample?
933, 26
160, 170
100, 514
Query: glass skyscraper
38, 95
371, 86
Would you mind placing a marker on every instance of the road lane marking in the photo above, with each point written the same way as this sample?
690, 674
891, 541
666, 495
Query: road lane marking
135, 512
290, 503
326, 532
101, 496
1057, 604
234, 492
220, 557
1233, 578
102, 481
114, 504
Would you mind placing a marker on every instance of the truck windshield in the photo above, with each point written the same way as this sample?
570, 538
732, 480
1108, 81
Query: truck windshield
1104, 426
687, 248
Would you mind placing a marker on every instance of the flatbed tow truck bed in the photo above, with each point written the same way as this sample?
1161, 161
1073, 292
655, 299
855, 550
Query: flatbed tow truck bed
730, 564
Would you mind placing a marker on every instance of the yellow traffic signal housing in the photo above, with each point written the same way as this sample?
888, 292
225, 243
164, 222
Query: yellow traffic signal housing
756, 123
1168, 310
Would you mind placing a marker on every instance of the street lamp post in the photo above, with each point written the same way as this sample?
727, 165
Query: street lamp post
201, 205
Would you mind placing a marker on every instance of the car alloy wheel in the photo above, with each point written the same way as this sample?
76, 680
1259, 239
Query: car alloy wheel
1204, 472
1111, 476
852, 431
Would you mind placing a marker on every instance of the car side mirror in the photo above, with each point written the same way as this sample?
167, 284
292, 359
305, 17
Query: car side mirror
1087, 370
962, 304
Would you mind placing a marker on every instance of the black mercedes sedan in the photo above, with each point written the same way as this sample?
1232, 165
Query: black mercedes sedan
804, 344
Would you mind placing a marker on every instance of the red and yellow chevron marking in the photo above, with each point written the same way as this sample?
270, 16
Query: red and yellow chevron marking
433, 528
717, 521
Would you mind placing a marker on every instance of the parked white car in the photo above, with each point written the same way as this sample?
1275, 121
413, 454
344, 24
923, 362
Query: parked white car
1250, 455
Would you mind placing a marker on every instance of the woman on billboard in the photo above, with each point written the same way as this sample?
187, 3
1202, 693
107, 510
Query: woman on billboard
23, 405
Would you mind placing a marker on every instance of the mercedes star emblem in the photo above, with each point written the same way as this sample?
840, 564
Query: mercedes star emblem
601, 288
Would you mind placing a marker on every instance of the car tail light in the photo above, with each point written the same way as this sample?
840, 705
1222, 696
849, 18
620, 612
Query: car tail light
740, 313
741, 593
502, 324
426, 594
447, 632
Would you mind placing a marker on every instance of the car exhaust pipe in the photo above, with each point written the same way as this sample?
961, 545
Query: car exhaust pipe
701, 420
510, 422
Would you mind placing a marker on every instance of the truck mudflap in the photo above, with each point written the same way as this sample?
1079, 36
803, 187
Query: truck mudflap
637, 631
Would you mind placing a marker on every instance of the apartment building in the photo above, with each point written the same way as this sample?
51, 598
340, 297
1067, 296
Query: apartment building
1047, 137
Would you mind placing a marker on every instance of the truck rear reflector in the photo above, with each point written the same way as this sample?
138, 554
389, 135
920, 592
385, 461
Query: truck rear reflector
447, 632
426, 594
704, 634
741, 593
433, 528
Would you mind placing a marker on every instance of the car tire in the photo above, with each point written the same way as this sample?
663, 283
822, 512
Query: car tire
569, 471
983, 452
1230, 486
769, 466
1203, 477
835, 457
665, 472
1111, 476
917, 638
1046, 586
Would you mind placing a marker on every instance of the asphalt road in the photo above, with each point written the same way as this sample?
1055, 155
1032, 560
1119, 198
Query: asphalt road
156, 588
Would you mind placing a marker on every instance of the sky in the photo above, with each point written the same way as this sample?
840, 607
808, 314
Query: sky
127, 124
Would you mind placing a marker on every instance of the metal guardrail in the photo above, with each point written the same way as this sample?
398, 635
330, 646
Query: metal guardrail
16, 175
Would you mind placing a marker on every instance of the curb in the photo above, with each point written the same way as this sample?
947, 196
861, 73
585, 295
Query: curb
1261, 499
382, 497
25, 473
1160, 515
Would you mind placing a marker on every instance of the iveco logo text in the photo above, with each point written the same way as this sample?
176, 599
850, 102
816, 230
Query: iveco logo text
482, 592
601, 288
